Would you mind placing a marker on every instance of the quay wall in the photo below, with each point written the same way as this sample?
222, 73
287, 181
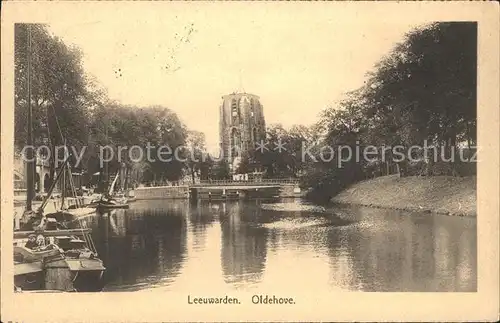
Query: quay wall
162, 192
290, 190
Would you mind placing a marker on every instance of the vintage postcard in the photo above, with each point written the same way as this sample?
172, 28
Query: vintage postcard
249, 161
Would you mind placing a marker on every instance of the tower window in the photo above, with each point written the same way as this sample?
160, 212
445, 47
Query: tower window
234, 109
235, 142
252, 103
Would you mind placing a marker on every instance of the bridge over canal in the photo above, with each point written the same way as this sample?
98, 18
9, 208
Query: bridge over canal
224, 189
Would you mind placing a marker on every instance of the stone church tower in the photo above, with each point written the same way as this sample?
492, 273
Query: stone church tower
241, 125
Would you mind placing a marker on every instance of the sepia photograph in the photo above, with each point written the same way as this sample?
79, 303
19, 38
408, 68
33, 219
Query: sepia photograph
243, 155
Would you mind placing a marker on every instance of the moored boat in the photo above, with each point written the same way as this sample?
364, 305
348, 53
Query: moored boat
111, 200
109, 203
81, 211
65, 263
112, 204
47, 255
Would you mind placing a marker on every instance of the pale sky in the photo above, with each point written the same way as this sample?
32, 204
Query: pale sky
297, 61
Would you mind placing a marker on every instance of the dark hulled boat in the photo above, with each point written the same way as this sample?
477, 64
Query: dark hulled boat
64, 264
110, 200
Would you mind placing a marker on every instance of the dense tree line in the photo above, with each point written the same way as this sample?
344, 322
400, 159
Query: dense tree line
424, 90
58, 87
280, 154
69, 108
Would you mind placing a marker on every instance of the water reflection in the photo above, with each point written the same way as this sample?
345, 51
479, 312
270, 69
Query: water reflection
243, 246
236, 244
404, 252
143, 246
202, 214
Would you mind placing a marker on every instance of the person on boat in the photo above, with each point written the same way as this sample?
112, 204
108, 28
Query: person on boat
52, 244
44, 244
40, 241
31, 244
33, 220
106, 197
49, 241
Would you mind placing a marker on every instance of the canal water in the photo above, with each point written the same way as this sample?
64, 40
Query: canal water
174, 245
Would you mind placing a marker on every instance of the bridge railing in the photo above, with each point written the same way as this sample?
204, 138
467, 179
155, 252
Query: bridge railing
266, 181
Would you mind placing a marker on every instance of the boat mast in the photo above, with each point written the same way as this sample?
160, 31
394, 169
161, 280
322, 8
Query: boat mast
106, 169
112, 187
30, 162
63, 191
52, 186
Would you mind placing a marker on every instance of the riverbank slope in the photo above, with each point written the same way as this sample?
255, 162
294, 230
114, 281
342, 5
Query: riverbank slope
436, 194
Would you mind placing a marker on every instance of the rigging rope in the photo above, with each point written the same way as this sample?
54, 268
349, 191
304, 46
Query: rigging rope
87, 238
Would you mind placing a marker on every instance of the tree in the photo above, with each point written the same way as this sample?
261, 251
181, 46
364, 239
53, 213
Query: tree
197, 154
424, 89
282, 155
206, 167
221, 170
245, 165
172, 133
157, 131
59, 95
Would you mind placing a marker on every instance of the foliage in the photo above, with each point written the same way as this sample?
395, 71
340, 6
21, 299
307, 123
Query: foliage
69, 107
220, 170
423, 90
198, 162
58, 88
282, 155
122, 127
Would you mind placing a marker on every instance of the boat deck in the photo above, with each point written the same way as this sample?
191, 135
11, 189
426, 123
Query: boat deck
27, 268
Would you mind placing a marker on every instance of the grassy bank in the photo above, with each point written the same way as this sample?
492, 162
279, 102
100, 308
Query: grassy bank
436, 194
